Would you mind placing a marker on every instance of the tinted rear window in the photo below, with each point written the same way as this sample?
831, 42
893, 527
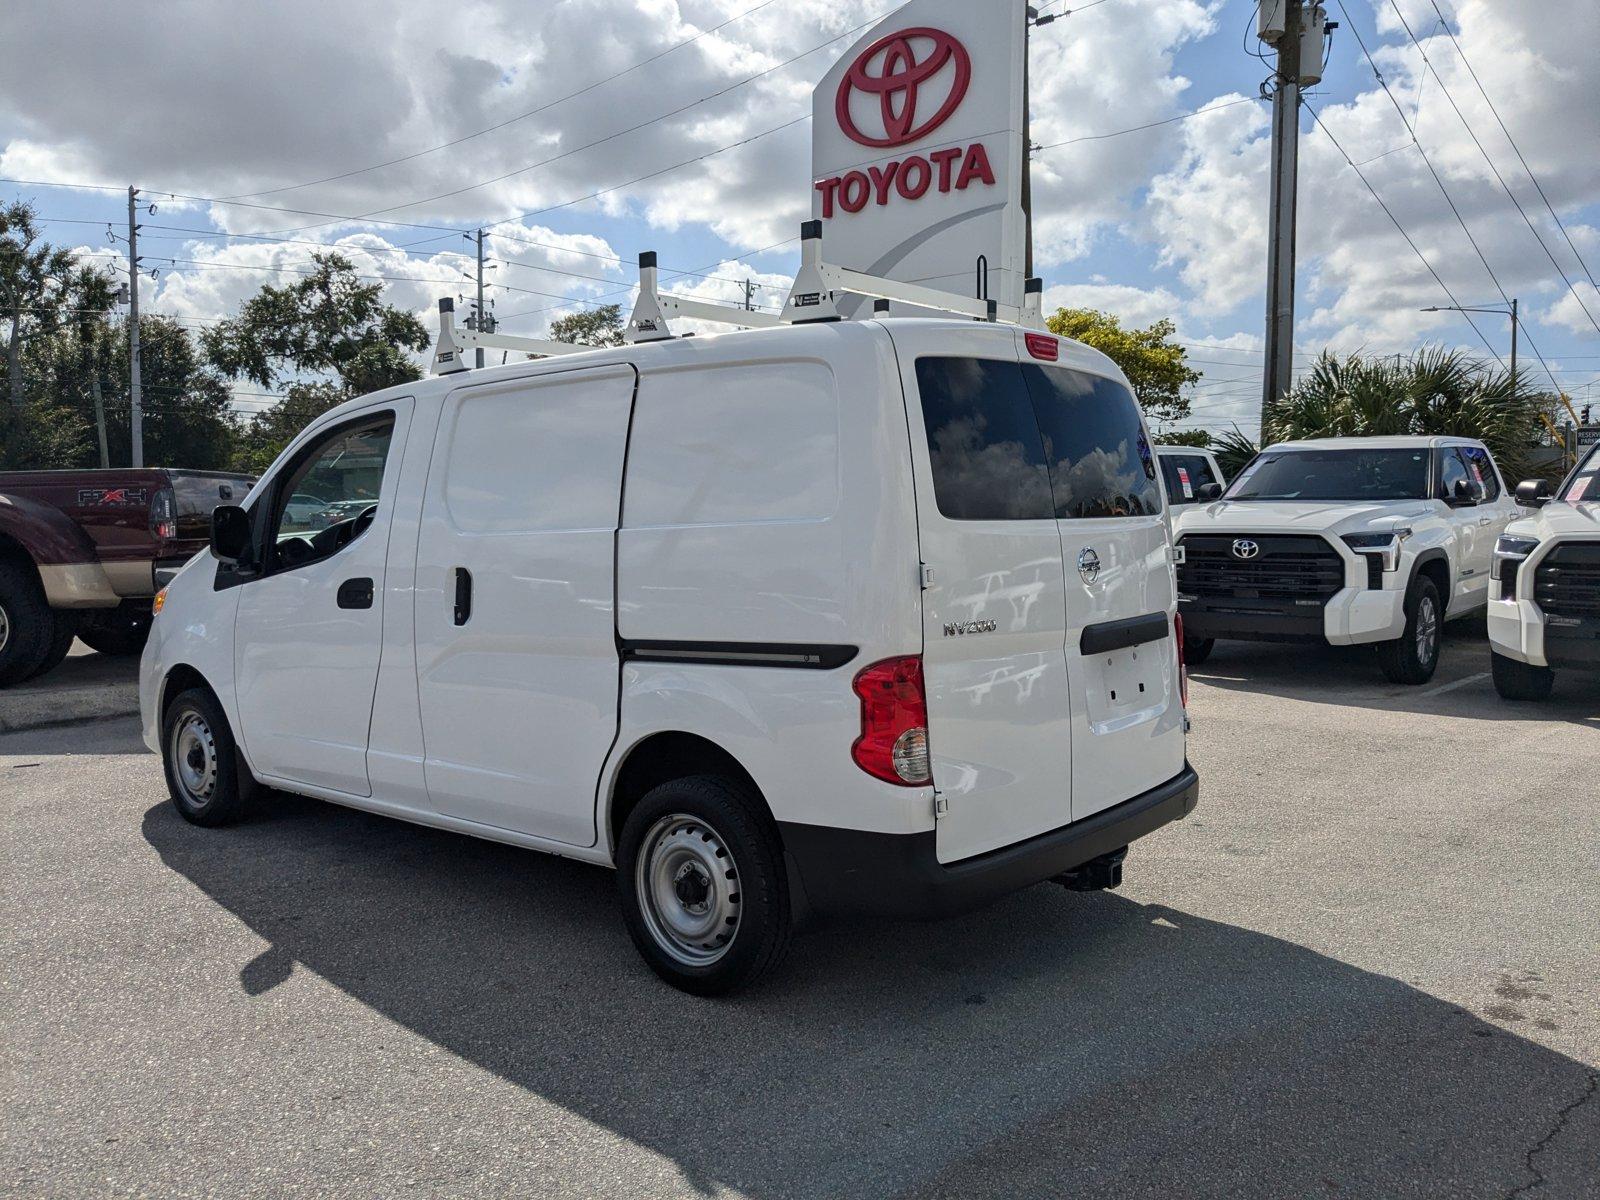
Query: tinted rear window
983, 441
1014, 442
1101, 463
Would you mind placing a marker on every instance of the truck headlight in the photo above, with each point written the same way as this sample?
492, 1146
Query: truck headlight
1387, 544
1509, 555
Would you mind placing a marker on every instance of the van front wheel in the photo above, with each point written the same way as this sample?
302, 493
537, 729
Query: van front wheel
202, 767
703, 887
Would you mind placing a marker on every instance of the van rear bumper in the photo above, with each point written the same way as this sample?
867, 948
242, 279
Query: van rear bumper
840, 872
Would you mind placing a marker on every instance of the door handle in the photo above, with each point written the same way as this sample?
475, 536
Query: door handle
1485, 520
355, 593
463, 595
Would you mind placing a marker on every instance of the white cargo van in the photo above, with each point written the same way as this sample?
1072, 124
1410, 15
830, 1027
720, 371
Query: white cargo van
834, 618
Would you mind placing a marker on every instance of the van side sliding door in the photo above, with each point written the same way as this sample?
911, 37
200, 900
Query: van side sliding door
517, 669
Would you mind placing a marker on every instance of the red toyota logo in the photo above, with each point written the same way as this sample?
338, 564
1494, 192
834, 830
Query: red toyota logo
897, 83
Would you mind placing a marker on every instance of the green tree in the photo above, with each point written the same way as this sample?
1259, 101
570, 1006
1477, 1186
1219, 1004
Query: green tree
1197, 438
1435, 393
80, 373
328, 336
598, 327
35, 286
1151, 360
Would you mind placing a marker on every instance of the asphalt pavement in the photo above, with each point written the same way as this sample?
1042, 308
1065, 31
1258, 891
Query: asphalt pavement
1368, 965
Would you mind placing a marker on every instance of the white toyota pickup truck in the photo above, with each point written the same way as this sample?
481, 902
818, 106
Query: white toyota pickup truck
1346, 541
1544, 613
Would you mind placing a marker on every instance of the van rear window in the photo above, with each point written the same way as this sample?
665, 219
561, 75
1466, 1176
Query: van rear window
1014, 442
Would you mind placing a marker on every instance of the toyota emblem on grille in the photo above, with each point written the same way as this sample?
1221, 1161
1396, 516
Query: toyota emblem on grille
1089, 565
1245, 548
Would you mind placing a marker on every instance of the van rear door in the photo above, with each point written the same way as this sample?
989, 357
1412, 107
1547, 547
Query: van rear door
1121, 593
994, 606
1050, 666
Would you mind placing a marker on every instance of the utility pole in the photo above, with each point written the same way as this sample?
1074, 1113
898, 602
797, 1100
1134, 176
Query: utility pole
1295, 29
749, 295
481, 311
135, 391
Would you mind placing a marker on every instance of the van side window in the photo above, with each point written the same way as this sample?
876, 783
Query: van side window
1101, 462
1483, 472
984, 444
329, 495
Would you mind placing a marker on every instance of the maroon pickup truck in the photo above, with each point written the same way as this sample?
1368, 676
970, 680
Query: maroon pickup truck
82, 553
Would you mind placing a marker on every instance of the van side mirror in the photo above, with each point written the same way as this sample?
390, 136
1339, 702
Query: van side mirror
1533, 493
230, 534
1209, 491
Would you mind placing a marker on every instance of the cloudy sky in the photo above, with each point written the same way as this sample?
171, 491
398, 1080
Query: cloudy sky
584, 131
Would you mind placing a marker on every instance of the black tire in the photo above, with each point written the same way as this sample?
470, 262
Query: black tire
26, 626
201, 761
64, 633
1414, 656
117, 631
1521, 681
718, 843
1197, 650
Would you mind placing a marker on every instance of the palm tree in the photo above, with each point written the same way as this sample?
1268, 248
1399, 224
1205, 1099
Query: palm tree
1436, 393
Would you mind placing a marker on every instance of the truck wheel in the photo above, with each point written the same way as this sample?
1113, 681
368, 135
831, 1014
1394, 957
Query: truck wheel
25, 623
201, 761
1415, 656
703, 885
1197, 650
64, 631
120, 631
1521, 681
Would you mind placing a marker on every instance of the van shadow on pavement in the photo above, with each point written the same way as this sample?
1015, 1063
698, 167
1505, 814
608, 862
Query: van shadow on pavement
1052, 1044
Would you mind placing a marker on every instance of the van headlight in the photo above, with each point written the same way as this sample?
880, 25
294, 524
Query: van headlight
1509, 555
1387, 544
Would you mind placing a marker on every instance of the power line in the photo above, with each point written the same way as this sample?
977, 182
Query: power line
1438, 179
1199, 112
1505, 187
512, 120
1466, 62
1317, 117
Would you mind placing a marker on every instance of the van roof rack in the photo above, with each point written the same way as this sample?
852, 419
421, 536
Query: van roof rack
814, 297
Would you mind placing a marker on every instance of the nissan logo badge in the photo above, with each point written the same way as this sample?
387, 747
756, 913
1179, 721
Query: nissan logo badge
1089, 565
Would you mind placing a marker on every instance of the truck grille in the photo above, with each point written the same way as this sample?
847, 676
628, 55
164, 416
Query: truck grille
1287, 568
1568, 581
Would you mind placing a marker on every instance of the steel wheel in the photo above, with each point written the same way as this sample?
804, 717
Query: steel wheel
194, 758
688, 887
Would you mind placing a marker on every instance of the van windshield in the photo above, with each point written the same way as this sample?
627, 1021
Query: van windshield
1350, 476
1009, 442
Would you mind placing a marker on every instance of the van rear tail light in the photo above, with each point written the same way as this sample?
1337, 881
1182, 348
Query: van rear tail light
1183, 660
893, 745
164, 515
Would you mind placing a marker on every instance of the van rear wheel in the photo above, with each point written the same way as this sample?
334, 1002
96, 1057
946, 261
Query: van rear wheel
701, 872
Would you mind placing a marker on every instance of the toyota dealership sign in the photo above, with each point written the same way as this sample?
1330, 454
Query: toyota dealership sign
918, 149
